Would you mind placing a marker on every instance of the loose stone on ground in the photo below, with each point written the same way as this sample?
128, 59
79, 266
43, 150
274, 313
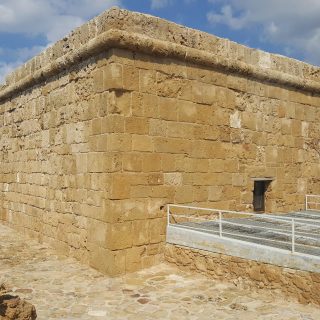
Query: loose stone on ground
14, 308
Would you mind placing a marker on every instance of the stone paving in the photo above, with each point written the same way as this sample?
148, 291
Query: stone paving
62, 288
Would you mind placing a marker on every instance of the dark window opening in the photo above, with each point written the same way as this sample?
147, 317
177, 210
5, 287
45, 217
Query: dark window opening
259, 191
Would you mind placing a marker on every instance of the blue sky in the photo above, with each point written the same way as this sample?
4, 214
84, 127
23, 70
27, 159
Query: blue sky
287, 27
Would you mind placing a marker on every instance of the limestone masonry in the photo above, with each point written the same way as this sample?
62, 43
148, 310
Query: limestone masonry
131, 112
301, 285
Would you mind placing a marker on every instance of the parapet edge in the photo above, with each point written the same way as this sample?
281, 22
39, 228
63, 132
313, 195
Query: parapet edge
136, 31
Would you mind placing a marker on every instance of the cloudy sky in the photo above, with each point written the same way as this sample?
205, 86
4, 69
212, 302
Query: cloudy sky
288, 27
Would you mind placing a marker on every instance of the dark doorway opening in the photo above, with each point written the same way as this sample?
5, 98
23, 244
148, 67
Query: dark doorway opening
259, 193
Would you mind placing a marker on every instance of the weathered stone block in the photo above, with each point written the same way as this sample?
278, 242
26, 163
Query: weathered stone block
119, 102
151, 162
136, 125
97, 232
119, 142
119, 236
98, 80
132, 162
112, 123
141, 231
134, 258
142, 143
148, 81
187, 111
215, 193
112, 76
130, 78
168, 109
120, 187
157, 229
106, 261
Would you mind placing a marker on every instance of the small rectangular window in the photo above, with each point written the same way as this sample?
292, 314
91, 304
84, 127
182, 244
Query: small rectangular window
259, 192
259, 195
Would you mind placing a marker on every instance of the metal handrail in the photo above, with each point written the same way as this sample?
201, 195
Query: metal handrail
275, 230
271, 216
293, 222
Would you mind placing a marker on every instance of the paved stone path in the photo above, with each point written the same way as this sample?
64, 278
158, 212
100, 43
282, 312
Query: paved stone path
62, 288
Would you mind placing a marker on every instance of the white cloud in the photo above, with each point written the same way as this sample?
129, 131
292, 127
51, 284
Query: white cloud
159, 4
51, 18
6, 68
19, 56
59, 27
23, 53
295, 24
227, 17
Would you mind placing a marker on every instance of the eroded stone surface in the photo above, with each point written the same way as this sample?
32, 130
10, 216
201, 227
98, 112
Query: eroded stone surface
168, 32
299, 284
62, 288
14, 308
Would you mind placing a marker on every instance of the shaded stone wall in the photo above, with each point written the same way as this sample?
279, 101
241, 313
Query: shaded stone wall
65, 169
105, 128
298, 284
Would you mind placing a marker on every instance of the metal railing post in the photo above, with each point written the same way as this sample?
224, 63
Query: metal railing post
306, 202
293, 236
220, 224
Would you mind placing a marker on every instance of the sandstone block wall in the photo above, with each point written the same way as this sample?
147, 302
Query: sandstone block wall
298, 284
129, 113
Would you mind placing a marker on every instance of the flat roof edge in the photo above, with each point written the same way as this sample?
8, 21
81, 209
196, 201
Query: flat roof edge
140, 32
